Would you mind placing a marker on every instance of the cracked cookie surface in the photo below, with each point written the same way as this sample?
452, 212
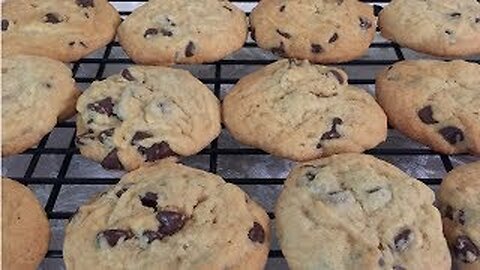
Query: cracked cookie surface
169, 216
183, 31
355, 212
146, 114
442, 27
460, 207
434, 102
297, 110
66, 30
322, 31
37, 92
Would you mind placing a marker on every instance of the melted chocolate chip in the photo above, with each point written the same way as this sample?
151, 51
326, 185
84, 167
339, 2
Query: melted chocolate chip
127, 75
71, 43
452, 134
140, 136
113, 236
373, 190
282, 8
376, 10
403, 240
448, 32
426, 115
365, 23
85, 3
86, 135
284, 34
256, 233
338, 75
111, 161
149, 200
121, 191
333, 134
5, 24
104, 135
190, 49
170, 222
333, 38
156, 151
316, 48
477, 20
310, 176
150, 32
465, 250
456, 15
166, 33
52, 18
280, 50
104, 106
449, 212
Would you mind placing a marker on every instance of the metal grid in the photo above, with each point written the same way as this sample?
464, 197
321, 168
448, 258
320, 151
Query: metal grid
49, 183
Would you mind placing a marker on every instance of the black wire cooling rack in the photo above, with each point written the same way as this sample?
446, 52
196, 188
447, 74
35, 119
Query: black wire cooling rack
59, 178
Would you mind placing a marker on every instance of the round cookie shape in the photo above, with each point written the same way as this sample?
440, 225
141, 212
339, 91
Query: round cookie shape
460, 207
434, 102
36, 93
355, 212
301, 111
322, 31
146, 114
169, 216
66, 30
442, 27
25, 228
183, 31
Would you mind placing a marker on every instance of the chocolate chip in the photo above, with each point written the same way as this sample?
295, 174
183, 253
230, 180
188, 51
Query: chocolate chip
376, 10
333, 38
149, 200
456, 15
333, 134
156, 151
282, 8
5, 24
426, 115
152, 236
452, 134
104, 106
477, 20
140, 136
104, 135
373, 190
228, 8
85, 3
111, 161
465, 250
83, 44
190, 49
170, 222
398, 267
122, 190
284, 34
403, 240
256, 233
113, 236
365, 23
448, 32
338, 75
52, 18
127, 75
310, 176
166, 33
71, 43
449, 212
150, 32
280, 50
316, 48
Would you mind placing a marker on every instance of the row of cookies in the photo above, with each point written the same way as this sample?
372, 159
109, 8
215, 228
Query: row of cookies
347, 211
182, 31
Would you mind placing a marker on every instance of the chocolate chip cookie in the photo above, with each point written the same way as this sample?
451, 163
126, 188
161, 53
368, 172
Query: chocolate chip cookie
36, 93
434, 102
183, 31
460, 207
169, 216
437, 27
301, 111
25, 228
323, 31
355, 212
146, 114
66, 30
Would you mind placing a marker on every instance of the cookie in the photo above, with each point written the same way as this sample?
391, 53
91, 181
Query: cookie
146, 114
355, 212
442, 27
434, 102
36, 93
183, 31
66, 30
460, 206
25, 228
301, 111
169, 216
322, 31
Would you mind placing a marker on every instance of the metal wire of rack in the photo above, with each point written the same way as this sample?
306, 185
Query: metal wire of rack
51, 181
